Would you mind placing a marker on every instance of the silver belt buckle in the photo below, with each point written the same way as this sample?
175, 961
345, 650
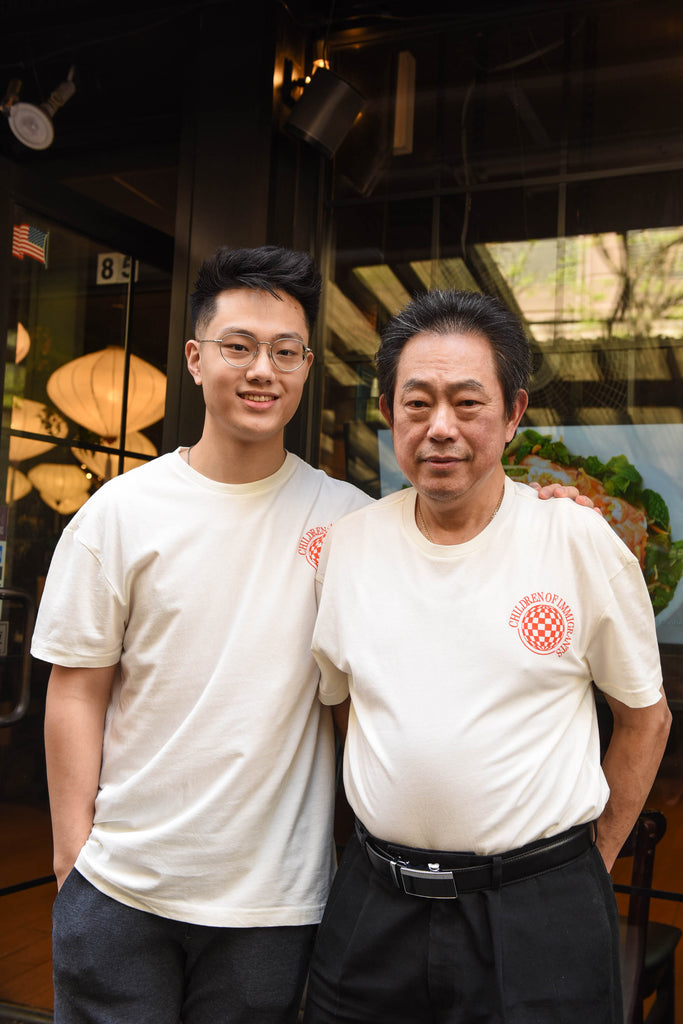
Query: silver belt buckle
400, 872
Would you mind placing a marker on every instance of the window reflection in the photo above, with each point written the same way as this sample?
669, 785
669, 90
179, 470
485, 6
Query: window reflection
87, 340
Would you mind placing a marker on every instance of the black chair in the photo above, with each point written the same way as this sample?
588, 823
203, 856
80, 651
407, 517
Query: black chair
647, 947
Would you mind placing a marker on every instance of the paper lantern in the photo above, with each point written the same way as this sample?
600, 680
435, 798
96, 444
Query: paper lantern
105, 465
18, 486
66, 506
23, 343
89, 390
34, 418
58, 481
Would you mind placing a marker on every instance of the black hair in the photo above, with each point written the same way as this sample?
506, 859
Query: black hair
448, 312
270, 268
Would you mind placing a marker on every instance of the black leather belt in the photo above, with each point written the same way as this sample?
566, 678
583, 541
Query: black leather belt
431, 877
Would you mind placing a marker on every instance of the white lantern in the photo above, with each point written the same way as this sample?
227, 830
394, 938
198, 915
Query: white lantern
18, 486
58, 482
89, 390
34, 418
105, 465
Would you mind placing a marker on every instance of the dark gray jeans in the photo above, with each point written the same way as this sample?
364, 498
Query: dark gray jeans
116, 965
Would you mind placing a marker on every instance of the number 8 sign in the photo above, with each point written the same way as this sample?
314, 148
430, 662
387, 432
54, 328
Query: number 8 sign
113, 268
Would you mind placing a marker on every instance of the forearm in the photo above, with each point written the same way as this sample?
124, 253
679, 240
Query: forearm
630, 765
74, 728
340, 714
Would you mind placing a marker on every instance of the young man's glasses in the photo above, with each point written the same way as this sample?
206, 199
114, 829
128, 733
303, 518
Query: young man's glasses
287, 354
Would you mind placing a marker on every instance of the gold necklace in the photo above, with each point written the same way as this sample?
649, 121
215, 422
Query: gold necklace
422, 526
500, 502
421, 522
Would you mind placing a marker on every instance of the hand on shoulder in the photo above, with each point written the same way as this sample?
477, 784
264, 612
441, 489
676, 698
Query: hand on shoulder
564, 491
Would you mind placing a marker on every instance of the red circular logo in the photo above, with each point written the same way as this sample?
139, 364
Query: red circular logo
311, 544
542, 628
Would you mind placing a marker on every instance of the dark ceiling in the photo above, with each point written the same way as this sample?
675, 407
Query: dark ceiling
129, 61
117, 139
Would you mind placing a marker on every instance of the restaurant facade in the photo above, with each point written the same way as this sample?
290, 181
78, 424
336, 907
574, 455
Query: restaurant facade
534, 154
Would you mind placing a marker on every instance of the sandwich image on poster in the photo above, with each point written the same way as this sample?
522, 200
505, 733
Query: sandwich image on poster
633, 475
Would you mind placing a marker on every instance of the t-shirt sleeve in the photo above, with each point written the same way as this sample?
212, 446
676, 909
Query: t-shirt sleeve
334, 683
81, 618
623, 653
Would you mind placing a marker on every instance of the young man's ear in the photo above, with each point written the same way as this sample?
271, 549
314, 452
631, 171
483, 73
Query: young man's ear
192, 352
309, 362
385, 410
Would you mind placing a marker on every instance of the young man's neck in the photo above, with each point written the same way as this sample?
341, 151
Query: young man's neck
236, 463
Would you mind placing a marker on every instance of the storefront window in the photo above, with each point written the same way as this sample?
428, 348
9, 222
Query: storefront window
86, 351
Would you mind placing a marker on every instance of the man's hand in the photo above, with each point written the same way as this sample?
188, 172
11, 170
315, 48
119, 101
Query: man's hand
630, 765
564, 491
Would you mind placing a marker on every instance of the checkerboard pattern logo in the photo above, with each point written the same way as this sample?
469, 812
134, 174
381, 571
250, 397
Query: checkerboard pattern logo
311, 544
542, 628
544, 622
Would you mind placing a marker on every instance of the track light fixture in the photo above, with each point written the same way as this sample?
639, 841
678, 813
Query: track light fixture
32, 124
326, 111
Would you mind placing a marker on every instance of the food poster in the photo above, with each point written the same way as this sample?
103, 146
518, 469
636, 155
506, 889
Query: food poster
633, 473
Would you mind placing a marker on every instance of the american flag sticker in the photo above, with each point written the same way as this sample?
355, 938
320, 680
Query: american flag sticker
29, 241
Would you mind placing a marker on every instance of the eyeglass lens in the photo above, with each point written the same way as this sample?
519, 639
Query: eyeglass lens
240, 349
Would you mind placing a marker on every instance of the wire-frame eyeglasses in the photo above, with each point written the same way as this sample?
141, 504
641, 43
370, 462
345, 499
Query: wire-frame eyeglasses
287, 354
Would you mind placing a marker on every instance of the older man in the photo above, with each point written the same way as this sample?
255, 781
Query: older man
467, 621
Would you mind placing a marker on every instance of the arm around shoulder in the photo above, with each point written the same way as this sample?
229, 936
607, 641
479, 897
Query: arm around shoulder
630, 765
75, 708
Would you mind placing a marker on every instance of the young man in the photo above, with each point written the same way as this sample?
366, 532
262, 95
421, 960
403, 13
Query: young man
467, 623
190, 765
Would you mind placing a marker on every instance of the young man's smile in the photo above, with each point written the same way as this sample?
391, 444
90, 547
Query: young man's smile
258, 398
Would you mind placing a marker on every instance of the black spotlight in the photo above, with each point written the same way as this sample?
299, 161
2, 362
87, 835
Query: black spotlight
326, 111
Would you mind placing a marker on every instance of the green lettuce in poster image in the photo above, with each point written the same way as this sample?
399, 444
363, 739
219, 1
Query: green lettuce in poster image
638, 514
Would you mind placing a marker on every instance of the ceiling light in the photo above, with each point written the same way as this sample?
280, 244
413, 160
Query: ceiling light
326, 111
31, 124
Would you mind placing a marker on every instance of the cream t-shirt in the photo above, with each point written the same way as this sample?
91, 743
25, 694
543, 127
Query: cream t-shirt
473, 723
216, 789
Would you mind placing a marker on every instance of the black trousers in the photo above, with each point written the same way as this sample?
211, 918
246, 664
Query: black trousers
540, 951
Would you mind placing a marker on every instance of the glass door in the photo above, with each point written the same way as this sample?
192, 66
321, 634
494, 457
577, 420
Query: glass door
83, 400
